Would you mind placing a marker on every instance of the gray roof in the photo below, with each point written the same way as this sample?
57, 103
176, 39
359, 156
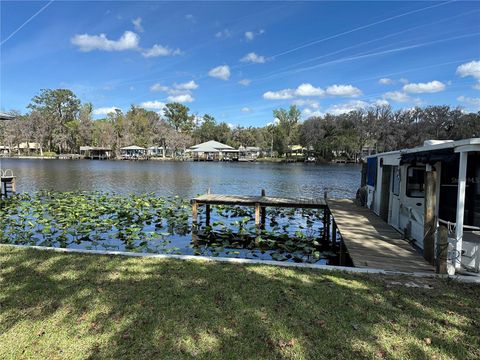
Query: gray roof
212, 144
132, 147
5, 116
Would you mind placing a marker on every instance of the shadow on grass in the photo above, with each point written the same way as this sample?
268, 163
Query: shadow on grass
89, 306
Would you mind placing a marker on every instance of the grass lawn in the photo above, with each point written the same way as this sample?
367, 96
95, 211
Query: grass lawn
72, 306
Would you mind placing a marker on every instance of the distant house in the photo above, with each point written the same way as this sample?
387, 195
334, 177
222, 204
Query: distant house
95, 152
249, 153
213, 151
133, 152
26, 148
156, 151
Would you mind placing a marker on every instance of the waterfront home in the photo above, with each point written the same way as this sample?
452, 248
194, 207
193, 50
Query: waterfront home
249, 153
28, 148
212, 151
133, 152
156, 151
428, 192
95, 152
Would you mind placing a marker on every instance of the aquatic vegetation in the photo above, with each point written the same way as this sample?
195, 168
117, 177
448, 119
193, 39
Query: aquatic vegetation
147, 223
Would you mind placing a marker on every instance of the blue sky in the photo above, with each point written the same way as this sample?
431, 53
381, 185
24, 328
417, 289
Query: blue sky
240, 60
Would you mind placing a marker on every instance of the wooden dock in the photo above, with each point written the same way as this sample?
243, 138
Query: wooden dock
259, 202
371, 242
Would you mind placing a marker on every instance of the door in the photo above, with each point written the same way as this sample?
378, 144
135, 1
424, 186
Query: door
413, 203
385, 192
394, 216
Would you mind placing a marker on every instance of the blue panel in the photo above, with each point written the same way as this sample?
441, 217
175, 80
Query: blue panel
371, 171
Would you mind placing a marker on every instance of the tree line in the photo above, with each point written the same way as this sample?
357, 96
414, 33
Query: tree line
58, 122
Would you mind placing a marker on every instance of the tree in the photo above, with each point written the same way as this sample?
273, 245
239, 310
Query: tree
177, 116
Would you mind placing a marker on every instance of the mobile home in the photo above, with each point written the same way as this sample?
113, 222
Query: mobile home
417, 190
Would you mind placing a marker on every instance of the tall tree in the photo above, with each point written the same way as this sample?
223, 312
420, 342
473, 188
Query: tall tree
178, 116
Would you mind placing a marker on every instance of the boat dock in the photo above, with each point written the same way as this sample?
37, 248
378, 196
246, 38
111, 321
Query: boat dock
7, 183
369, 241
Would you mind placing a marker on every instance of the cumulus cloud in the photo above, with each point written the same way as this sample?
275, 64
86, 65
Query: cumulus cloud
137, 24
246, 110
308, 113
430, 87
221, 72
385, 81
104, 110
128, 41
155, 104
158, 87
472, 69
307, 102
308, 90
343, 108
223, 34
279, 95
159, 50
181, 98
250, 35
473, 102
245, 82
189, 85
253, 58
397, 96
343, 90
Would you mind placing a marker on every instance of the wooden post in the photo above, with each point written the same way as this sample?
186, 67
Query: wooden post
263, 212
328, 227
342, 254
442, 250
334, 232
430, 222
194, 212
257, 215
462, 181
324, 238
207, 214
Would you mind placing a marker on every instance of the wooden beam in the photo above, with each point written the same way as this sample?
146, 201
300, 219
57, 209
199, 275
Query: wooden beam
257, 214
194, 212
442, 251
263, 212
207, 215
430, 221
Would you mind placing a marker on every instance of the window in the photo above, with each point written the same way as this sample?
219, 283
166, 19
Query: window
416, 182
396, 181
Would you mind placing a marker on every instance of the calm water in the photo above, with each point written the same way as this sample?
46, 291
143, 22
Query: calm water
185, 179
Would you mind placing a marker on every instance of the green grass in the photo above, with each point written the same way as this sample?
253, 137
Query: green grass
69, 306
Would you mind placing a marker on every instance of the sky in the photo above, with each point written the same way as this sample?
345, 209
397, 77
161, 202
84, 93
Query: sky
240, 60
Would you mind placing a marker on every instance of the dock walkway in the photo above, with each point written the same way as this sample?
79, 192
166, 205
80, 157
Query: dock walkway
371, 242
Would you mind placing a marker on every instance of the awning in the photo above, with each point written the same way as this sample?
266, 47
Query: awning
429, 157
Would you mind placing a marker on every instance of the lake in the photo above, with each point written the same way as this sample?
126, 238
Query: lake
186, 179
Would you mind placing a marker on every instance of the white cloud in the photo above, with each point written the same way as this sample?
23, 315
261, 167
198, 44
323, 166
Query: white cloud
220, 72
189, 85
104, 110
182, 98
473, 102
253, 58
279, 95
155, 104
128, 41
381, 102
403, 80
159, 50
245, 82
275, 121
385, 81
307, 102
249, 35
472, 69
223, 34
158, 87
308, 113
137, 23
246, 110
430, 87
343, 90
353, 105
308, 90
397, 96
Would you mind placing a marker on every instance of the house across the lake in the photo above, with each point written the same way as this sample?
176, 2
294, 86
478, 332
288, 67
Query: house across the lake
212, 151
249, 153
418, 191
133, 152
96, 153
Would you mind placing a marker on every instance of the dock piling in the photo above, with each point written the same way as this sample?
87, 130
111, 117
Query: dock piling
263, 212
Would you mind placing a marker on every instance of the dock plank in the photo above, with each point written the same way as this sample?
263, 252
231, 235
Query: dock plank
264, 201
371, 242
